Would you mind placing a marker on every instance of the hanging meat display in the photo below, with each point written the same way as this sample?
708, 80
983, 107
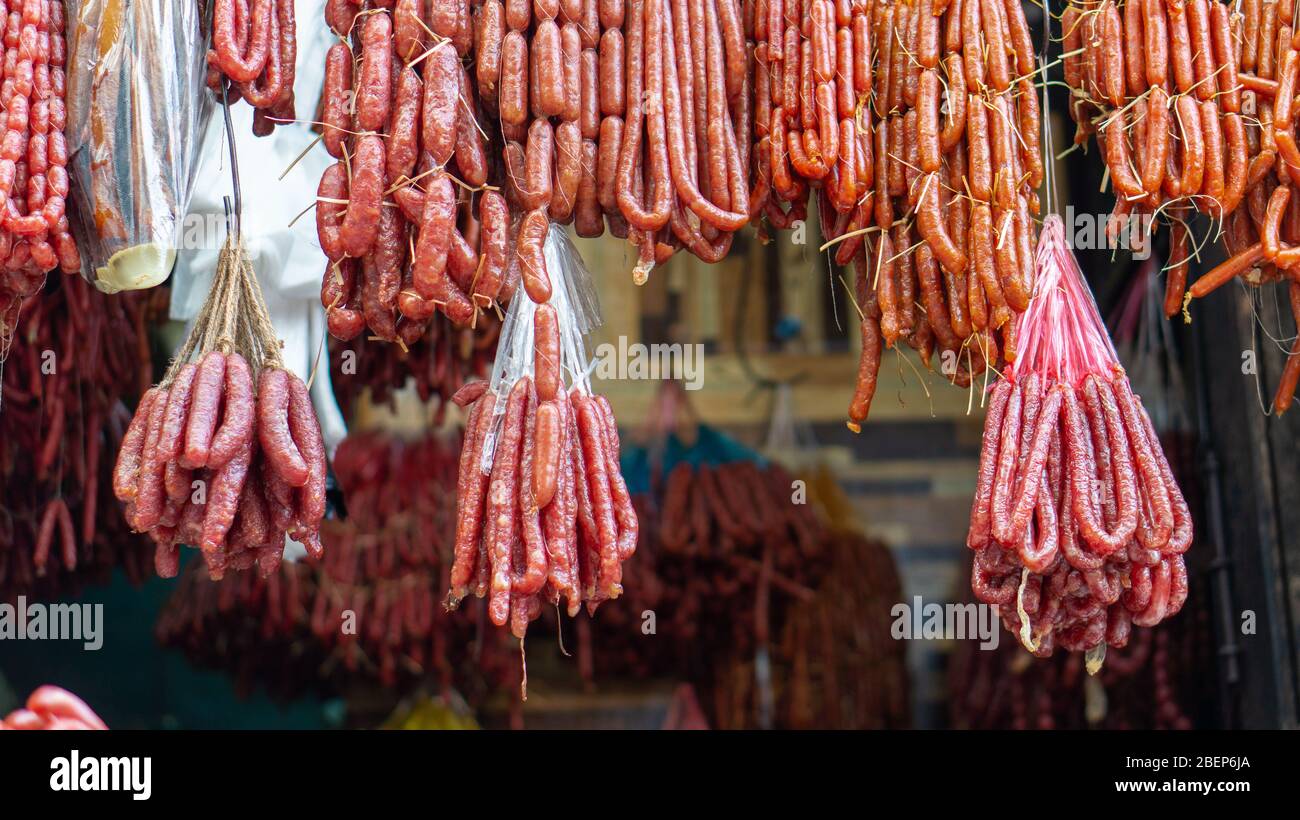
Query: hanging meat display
76, 357
1192, 105
225, 452
674, 123
543, 510
35, 237
467, 135
1078, 525
733, 570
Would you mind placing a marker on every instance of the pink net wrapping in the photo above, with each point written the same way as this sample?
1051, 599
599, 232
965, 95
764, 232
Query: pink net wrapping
1078, 526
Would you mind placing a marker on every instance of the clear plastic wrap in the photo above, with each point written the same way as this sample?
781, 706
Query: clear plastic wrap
573, 295
137, 113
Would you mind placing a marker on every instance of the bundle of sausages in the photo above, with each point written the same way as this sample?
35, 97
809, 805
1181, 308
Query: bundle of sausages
712, 511
675, 123
1175, 140
673, 76
956, 150
399, 133
552, 516
34, 236
258, 488
210, 460
816, 601
255, 50
79, 354
1193, 108
1264, 240
50, 707
388, 557
1078, 525
439, 363
812, 112
368, 610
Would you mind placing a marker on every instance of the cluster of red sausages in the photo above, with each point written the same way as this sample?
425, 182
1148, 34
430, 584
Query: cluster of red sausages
712, 511
635, 114
383, 568
78, 354
255, 50
1192, 103
943, 237
210, 462
405, 216
387, 560
34, 234
552, 516
816, 600
674, 123
1173, 141
1078, 525
665, 104
50, 707
1264, 240
1109, 525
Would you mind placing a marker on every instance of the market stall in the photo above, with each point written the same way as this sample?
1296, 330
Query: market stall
663, 363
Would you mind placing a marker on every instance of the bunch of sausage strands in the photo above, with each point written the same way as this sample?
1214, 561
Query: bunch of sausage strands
543, 512
1158, 83
225, 453
741, 112
258, 488
405, 216
1193, 107
674, 123
918, 126
58, 431
1264, 239
1078, 525
254, 56
34, 232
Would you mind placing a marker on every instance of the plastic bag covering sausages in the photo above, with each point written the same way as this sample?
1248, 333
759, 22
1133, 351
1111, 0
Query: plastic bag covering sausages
137, 111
